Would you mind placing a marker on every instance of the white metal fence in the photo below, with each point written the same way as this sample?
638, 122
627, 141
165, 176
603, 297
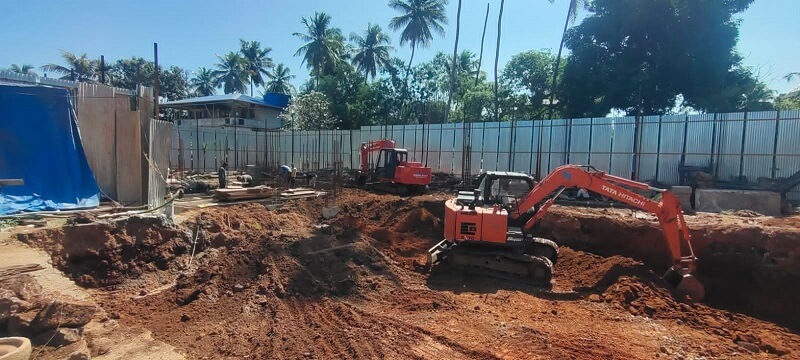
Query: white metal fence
734, 146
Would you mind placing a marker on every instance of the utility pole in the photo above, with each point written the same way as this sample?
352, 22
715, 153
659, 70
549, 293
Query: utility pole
155, 81
102, 69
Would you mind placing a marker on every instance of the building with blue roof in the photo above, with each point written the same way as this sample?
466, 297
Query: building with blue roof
230, 110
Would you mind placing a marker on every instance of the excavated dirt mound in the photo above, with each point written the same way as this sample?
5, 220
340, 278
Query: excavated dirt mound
746, 264
102, 254
248, 282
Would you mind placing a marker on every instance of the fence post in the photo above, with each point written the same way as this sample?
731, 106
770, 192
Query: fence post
635, 158
658, 146
744, 138
774, 172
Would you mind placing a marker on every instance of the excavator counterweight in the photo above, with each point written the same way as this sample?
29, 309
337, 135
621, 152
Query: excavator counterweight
490, 229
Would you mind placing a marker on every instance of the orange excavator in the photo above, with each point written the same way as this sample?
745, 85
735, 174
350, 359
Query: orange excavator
489, 229
391, 171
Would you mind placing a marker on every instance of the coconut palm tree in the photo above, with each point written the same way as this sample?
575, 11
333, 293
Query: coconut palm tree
789, 77
279, 80
419, 20
372, 51
25, 69
257, 60
231, 73
204, 82
324, 45
572, 15
81, 67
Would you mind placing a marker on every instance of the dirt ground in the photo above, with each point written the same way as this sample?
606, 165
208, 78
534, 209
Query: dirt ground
244, 282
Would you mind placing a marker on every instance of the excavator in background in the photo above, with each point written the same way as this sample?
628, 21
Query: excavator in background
391, 171
489, 229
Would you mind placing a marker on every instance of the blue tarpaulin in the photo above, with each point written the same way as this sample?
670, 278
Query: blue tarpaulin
39, 143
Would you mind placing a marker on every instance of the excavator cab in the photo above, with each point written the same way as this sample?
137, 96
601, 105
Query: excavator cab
388, 160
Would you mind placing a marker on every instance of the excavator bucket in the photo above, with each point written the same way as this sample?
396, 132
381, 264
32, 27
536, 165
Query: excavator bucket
436, 254
685, 284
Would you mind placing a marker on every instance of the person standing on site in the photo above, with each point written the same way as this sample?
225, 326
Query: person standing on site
293, 176
222, 174
283, 174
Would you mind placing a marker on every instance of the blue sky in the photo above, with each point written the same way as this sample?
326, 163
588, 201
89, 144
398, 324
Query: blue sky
190, 33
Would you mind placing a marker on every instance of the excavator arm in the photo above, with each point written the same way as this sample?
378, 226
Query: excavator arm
668, 209
372, 146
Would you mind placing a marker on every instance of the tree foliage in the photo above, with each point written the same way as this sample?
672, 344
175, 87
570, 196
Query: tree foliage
372, 50
309, 111
173, 81
638, 56
279, 80
528, 76
232, 73
79, 68
204, 82
324, 45
256, 61
23, 69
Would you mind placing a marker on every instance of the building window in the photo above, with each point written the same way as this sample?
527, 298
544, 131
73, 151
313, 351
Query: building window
241, 121
179, 123
198, 114
227, 121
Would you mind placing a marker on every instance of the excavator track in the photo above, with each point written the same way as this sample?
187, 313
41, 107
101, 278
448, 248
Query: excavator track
507, 263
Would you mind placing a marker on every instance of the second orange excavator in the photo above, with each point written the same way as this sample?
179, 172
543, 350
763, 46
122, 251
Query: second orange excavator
489, 229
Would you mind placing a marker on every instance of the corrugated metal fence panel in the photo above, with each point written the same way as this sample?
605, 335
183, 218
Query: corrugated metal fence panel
600, 143
490, 132
730, 146
648, 148
477, 145
160, 144
787, 160
622, 147
579, 143
699, 132
448, 150
546, 128
759, 144
671, 148
522, 146
557, 155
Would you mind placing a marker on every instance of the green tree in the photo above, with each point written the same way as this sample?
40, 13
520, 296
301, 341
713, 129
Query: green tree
25, 69
528, 75
279, 78
572, 15
203, 82
257, 61
308, 112
372, 51
418, 21
127, 73
81, 67
232, 73
639, 56
324, 45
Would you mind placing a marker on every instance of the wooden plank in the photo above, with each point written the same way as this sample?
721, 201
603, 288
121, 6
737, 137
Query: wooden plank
128, 154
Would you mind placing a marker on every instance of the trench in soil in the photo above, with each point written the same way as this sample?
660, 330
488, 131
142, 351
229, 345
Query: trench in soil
242, 280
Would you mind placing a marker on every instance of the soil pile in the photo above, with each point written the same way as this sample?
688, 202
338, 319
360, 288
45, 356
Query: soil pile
106, 253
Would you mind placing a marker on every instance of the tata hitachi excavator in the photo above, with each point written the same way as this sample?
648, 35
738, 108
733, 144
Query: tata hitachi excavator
489, 229
391, 171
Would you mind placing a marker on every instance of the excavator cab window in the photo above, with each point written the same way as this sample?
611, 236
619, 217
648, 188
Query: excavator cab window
506, 191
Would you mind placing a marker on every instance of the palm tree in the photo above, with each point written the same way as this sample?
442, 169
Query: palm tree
279, 80
25, 69
79, 67
789, 77
257, 60
372, 50
231, 73
572, 15
324, 45
419, 20
204, 82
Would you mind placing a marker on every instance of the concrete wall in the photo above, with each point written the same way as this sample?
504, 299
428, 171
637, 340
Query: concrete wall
717, 200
